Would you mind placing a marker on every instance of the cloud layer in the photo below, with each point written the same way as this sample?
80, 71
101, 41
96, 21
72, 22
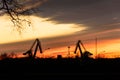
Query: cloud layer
97, 15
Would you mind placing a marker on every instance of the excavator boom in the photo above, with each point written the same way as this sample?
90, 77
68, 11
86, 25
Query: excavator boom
39, 45
83, 46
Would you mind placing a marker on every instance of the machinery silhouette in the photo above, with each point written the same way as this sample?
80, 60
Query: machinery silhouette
32, 54
85, 54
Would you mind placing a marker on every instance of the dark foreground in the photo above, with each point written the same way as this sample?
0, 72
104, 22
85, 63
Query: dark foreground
61, 68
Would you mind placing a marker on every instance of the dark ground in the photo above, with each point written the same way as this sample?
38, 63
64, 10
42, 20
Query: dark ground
60, 68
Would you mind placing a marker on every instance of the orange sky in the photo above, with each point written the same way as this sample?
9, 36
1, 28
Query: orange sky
105, 49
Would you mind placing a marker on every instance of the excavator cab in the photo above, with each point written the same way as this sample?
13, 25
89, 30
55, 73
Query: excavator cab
30, 52
85, 54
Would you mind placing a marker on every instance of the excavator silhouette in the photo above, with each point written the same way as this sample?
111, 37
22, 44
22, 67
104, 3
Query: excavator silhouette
30, 53
85, 54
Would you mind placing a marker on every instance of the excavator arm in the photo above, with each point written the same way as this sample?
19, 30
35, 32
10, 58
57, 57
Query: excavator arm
39, 45
78, 47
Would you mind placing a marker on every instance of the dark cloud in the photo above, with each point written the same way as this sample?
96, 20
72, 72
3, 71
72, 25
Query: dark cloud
93, 13
23, 7
102, 18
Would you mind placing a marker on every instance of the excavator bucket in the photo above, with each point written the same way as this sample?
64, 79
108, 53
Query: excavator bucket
28, 52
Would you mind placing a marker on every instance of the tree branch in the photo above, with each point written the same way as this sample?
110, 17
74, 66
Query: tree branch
12, 9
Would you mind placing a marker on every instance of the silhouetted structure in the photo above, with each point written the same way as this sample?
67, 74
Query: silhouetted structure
59, 56
30, 53
85, 54
68, 51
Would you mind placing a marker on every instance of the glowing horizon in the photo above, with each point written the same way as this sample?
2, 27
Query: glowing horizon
104, 50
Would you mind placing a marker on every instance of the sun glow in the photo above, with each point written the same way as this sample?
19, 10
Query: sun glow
41, 28
49, 29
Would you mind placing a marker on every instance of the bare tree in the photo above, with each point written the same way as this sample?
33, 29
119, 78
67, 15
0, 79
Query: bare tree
14, 9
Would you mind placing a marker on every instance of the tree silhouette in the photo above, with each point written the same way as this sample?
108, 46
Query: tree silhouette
4, 55
8, 55
14, 9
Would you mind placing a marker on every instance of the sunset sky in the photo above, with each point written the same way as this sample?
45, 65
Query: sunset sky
61, 23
